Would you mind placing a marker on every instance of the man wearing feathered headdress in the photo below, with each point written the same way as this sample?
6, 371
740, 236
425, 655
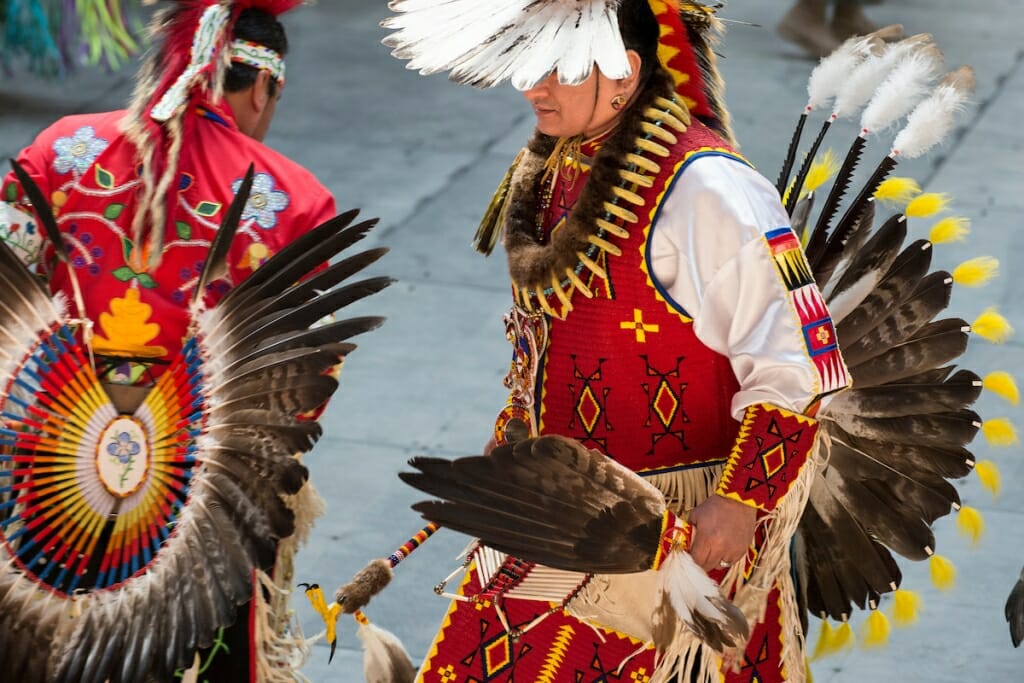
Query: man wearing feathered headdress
139, 194
663, 314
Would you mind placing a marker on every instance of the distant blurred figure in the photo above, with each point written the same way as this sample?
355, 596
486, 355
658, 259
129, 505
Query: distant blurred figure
806, 24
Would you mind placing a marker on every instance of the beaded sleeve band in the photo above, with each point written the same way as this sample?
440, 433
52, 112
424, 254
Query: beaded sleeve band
771, 448
259, 57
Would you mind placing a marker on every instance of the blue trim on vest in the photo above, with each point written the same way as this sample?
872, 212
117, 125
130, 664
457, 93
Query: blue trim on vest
657, 214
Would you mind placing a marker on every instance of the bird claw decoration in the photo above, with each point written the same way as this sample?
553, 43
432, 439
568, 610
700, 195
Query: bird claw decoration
329, 613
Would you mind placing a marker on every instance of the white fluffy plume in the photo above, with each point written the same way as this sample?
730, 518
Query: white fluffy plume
485, 43
933, 118
865, 79
902, 89
832, 71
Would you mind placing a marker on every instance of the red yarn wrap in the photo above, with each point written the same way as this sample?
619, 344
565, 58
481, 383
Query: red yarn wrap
677, 54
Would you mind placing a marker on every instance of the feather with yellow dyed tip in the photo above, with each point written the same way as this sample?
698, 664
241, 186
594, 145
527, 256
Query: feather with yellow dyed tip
826, 634
927, 205
943, 572
1003, 385
970, 523
999, 431
897, 191
876, 629
832, 640
976, 272
989, 476
992, 326
950, 229
824, 167
843, 637
905, 606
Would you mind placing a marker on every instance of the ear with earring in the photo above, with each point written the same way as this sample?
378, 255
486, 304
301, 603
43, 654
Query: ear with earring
619, 101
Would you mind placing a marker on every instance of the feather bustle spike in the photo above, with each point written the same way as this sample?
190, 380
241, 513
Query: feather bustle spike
805, 167
216, 265
835, 195
787, 164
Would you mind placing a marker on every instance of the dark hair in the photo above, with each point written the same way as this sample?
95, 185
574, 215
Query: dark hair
262, 28
640, 32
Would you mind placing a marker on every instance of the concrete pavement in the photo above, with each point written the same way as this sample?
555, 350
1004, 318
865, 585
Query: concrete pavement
425, 156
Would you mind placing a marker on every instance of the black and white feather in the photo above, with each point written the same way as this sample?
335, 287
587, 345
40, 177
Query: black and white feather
552, 501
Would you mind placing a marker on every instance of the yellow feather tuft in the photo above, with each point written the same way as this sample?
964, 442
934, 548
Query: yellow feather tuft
824, 167
976, 272
989, 476
927, 205
943, 573
897, 191
970, 523
950, 229
832, 640
999, 431
992, 326
843, 637
876, 629
825, 637
1003, 385
905, 606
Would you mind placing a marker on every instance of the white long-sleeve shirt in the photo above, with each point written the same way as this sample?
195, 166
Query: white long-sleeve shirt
710, 254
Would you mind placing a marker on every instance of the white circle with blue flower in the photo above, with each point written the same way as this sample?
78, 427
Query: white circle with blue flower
122, 459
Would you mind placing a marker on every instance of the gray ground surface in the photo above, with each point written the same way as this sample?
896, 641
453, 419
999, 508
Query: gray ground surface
425, 155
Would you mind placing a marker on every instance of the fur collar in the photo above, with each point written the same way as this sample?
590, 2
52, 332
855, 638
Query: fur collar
536, 267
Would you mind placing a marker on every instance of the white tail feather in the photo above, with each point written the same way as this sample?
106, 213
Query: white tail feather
902, 88
933, 118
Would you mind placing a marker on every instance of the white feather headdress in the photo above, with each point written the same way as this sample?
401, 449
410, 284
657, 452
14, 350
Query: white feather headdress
485, 43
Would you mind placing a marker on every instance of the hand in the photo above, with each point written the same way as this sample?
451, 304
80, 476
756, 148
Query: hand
723, 530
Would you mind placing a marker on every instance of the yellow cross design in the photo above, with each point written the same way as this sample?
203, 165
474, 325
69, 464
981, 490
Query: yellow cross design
640, 675
638, 325
824, 337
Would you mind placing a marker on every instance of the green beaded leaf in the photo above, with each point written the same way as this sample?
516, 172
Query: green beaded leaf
207, 209
104, 178
113, 211
124, 273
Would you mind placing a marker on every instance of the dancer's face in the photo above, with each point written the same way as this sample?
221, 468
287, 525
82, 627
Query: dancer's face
585, 109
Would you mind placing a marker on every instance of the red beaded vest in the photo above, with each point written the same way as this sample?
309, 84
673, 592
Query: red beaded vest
602, 353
